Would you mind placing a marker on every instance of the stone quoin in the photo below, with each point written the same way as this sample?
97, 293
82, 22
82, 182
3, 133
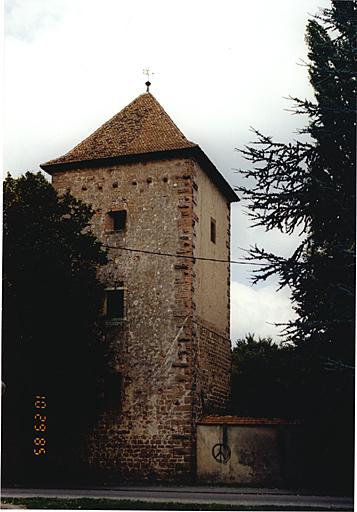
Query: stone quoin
168, 331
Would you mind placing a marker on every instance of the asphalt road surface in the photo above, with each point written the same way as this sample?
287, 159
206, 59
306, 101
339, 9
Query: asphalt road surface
223, 495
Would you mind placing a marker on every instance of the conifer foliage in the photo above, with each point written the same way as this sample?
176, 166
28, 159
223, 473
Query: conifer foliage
308, 186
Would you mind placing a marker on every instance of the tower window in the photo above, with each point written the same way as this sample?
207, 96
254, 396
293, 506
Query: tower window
111, 391
115, 304
118, 220
213, 230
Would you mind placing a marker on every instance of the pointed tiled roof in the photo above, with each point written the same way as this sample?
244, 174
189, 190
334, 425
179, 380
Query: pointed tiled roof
141, 127
141, 131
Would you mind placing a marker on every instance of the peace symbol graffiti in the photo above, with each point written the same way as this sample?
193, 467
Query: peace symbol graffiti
221, 453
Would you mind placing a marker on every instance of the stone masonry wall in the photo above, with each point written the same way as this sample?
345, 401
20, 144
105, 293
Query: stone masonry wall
211, 296
173, 360
151, 431
214, 370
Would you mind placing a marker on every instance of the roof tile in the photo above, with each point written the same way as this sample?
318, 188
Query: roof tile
142, 130
141, 127
242, 420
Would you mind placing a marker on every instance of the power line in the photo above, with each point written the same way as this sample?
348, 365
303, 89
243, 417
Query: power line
172, 255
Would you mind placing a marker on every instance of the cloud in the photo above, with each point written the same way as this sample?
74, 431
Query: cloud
243, 237
72, 64
24, 19
253, 310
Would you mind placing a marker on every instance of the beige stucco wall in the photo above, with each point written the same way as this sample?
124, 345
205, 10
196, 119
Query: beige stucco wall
260, 455
212, 278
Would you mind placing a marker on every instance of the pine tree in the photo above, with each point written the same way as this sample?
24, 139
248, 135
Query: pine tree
309, 186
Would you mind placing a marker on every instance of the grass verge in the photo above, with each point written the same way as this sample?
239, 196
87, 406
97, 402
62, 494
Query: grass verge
122, 504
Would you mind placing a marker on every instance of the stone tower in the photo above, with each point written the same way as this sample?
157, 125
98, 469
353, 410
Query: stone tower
160, 205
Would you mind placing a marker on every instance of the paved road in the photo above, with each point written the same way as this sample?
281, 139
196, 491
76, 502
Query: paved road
230, 496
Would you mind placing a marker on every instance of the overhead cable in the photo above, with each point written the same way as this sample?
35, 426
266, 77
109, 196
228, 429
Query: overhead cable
172, 255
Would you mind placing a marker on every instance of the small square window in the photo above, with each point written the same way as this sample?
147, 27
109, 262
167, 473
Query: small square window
118, 220
213, 230
114, 304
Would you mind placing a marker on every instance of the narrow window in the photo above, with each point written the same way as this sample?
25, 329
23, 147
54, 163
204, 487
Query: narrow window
114, 304
113, 383
118, 220
213, 230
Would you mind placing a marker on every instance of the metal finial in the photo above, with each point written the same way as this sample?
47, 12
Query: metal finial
147, 73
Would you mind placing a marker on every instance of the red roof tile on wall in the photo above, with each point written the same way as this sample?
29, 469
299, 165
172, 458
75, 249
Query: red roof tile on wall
239, 420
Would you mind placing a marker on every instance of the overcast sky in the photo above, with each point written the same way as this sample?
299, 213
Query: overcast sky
219, 67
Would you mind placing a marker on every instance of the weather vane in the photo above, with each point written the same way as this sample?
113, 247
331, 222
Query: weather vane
147, 72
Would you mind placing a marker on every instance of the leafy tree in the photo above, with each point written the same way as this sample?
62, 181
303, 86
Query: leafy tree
265, 379
310, 186
51, 318
270, 380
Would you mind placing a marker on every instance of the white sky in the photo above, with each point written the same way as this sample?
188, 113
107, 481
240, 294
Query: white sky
219, 68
